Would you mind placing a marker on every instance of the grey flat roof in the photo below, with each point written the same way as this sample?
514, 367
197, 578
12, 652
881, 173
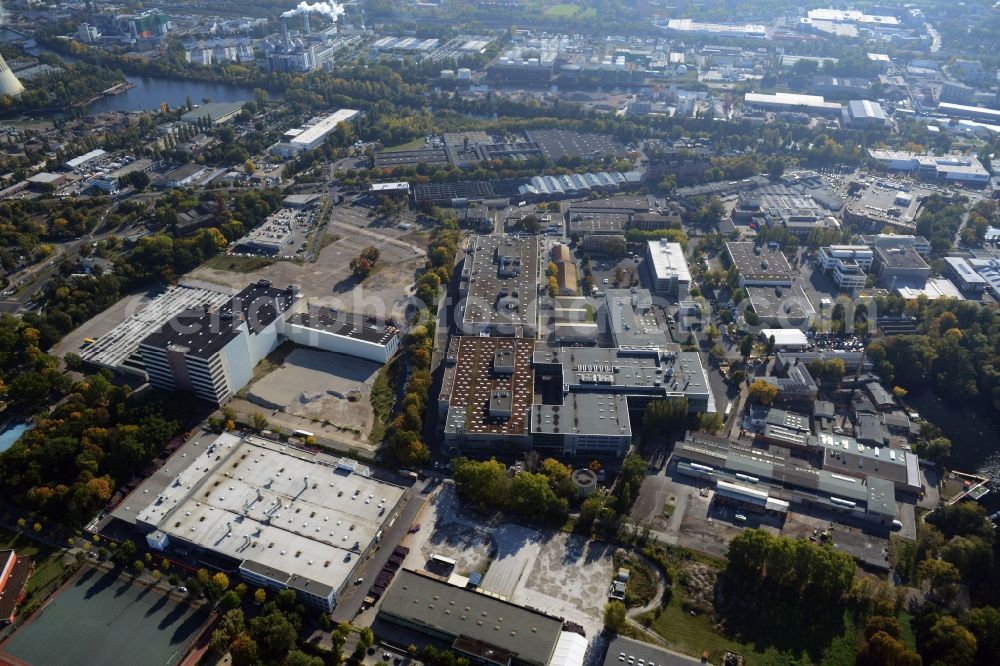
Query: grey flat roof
420, 600
344, 324
502, 280
650, 654
900, 257
750, 264
584, 413
556, 143
214, 110
632, 319
793, 304
632, 371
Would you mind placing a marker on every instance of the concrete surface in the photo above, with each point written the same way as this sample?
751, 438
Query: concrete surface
320, 385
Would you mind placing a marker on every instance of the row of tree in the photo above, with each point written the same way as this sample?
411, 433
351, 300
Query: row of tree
404, 437
543, 495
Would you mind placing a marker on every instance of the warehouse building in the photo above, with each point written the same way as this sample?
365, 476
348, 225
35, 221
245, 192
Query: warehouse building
343, 333
482, 628
772, 484
216, 113
668, 270
781, 101
963, 169
623, 650
282, 517
864, 113
312, 134
212, 351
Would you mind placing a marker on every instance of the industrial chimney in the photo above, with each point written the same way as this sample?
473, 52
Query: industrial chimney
9, 85
284, 31
305, 22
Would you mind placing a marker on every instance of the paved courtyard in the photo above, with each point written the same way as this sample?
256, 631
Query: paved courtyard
320, 385
557, 573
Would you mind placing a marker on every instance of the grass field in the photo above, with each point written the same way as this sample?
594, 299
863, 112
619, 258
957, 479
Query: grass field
693, 634
771, 646
416, 144
228, 262
567, 10
48, 561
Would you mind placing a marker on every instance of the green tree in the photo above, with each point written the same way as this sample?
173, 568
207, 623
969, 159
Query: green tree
244, 651
274, 635
664, 416
614, 616
763, 392
948, 642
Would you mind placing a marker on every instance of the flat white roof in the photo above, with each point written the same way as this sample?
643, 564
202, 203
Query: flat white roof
934, 288
784, 337
390, 187
86, 157
275, 506
668, 261
322, 127
790, 99
570, 650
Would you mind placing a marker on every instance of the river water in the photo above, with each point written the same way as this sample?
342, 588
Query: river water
150, 92
974, 435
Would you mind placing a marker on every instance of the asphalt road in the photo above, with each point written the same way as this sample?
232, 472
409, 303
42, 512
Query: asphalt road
351, 599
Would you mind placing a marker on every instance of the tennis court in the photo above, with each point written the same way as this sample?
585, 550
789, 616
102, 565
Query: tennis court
98, 619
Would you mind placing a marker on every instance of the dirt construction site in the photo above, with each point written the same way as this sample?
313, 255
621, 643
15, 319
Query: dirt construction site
329, 280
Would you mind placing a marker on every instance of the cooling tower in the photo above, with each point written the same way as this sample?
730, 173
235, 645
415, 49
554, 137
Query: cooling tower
9, 85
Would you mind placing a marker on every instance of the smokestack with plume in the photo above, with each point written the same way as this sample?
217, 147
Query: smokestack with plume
331, 10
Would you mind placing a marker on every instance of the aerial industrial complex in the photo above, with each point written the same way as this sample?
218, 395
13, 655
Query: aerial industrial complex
282, 517
516, 334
